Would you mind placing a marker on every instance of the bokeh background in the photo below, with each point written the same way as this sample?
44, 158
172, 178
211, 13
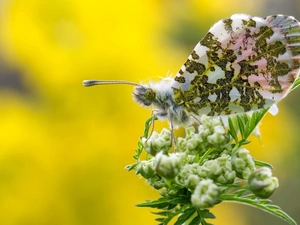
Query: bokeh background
63, 147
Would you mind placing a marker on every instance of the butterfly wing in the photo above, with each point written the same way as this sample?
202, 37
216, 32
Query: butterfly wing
242, 64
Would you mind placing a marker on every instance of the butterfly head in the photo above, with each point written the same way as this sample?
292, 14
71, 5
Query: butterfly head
143, 95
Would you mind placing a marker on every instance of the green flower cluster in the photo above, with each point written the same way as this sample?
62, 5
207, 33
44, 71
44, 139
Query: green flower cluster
243, 163
203, 163
158, 142
211, 134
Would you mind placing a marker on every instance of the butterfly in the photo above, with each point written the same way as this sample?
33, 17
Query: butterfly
242, 64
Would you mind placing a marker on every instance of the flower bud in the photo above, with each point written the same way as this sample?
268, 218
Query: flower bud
145, 168
168, 166
213, 130
192, 181
157, 182
166, 192
206, 120
220, 170
191, 143
243, 163
186, 171
158, 142
216, 138
189, 132
261, 182
205, 195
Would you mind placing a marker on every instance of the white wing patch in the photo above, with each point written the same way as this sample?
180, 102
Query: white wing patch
242, 64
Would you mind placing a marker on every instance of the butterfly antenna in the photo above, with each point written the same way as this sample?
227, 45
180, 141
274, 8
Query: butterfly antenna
89, 83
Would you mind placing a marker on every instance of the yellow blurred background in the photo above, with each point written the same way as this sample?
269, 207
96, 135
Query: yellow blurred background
63, 148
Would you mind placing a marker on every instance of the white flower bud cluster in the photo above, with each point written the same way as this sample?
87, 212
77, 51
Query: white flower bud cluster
157, 182
158, 142
205, 195
204, 162
145, 168
211, 133
168, 166
213, 129
220, 170
189, 176
243, 163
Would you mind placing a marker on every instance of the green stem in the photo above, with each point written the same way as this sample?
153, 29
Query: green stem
201, 161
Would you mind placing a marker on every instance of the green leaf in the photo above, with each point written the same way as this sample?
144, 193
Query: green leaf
186, 215
263, 164
168, 216
240, 192
180, 200
196, 220
296, 84
130, 167
232, 131
160, 203
242, 120
263, 204
138, 151
253, 122
148, 125
205, 223
244, 142
245, 124
205, 155
207, 214
161, 213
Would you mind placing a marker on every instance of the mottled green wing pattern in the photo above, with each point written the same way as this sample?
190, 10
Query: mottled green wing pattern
242, 64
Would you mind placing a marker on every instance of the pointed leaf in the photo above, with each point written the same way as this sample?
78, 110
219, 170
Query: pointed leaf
148, 125
130, 167
232, 131
186, 215
262, 204
196, 221
159, 203
296, 84
161, 213
180, 200
263, 164
207, 214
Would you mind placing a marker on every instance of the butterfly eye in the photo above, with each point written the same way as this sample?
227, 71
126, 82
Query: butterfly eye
143, 95
149, 94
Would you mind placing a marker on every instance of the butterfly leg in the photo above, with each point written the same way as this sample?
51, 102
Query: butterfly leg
173, 138
197, 121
